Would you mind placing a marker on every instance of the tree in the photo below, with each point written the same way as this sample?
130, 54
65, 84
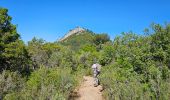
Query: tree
101, 38
13, 54
160, 43
37, 53
41, 51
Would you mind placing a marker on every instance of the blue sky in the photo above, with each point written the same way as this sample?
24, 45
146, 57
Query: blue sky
51, 19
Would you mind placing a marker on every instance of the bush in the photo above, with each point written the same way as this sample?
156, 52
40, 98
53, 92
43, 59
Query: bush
120, 84
10, 83
140, 70
50, 83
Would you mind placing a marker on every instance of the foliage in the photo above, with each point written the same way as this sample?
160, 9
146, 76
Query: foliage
107, 54
13, 54
40, 51
160, 44
134, 67
10, 83
76, 41
49, 83
140, 69
101, 38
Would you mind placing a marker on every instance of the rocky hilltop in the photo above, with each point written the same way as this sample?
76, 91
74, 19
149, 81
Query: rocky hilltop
75, 31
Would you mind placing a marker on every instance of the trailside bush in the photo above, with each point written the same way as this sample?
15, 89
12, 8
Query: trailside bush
121, 84
140, 70
49, 83
10, 83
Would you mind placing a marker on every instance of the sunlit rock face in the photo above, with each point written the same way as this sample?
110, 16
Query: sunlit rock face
76, 31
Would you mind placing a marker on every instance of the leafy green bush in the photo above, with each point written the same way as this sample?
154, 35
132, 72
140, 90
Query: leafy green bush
121, 84
49, 83
140, 70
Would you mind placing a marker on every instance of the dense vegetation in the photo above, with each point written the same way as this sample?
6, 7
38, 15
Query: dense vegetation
133, 66
141, 67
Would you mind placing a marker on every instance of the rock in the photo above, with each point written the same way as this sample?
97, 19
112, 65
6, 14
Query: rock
76, 31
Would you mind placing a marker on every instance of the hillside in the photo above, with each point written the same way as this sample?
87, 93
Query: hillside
75, 31
75, 41
80, 37
77, 37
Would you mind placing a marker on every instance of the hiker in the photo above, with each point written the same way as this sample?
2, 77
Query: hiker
96, 71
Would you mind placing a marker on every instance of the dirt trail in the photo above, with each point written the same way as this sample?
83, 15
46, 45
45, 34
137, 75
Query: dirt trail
87, 91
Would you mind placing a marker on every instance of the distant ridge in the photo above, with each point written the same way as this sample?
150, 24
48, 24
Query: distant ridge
76, 31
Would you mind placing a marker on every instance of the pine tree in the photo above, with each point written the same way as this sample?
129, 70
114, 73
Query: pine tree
13, 54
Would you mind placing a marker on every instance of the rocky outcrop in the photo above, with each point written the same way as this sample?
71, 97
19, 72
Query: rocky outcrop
76, 31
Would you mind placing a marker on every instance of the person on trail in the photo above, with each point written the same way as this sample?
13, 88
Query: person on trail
96, 71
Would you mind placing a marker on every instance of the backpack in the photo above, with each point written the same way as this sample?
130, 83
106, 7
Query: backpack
98, 67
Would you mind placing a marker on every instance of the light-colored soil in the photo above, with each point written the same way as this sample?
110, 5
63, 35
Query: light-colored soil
87, 91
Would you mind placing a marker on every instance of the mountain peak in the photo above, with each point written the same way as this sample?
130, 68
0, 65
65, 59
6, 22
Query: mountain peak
77, 30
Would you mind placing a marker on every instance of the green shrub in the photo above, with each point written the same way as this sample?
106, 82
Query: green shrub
123, 85
50, 83
10, 83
